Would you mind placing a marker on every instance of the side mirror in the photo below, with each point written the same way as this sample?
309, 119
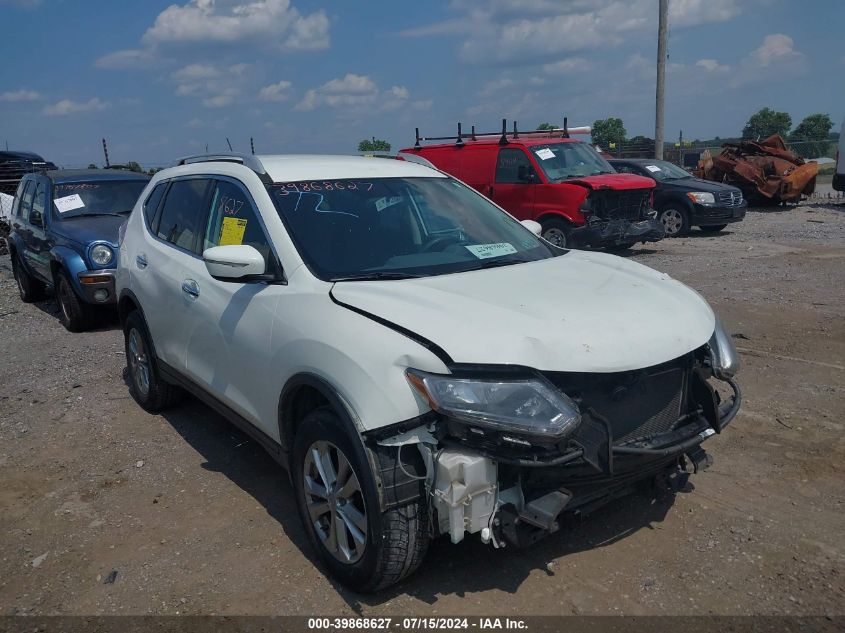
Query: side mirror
36, 219
233, 262
524, 173
535, 227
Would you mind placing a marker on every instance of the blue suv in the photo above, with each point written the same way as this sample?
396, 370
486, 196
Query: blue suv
64, 233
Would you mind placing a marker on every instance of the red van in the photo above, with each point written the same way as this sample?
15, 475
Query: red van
547, 176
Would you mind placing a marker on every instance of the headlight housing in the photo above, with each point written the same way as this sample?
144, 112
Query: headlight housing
527, 405
101, 255
702, 197
723, 355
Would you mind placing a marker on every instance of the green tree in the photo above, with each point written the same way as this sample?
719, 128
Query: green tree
545, 126
133, 166
766, 122
607, 131
374, 145
811, 138
92, 166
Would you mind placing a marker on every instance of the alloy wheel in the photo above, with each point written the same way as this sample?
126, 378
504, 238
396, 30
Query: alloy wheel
139, 364
672, 221
335, 501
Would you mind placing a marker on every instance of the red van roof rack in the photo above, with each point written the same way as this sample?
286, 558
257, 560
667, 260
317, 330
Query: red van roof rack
503, 135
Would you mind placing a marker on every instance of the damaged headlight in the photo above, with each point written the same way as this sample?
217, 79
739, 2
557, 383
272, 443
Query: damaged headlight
702, 197
723, 356
527, 405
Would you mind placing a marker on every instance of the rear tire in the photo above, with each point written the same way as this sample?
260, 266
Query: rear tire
29, 288
713, 228
556, 232
75, 314
145, 383
363, 548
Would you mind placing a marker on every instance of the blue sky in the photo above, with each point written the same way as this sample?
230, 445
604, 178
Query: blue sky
161, 79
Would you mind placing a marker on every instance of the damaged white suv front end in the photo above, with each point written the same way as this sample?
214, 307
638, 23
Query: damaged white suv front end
421, 362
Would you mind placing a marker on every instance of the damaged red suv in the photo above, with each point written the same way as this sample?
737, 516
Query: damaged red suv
547, 176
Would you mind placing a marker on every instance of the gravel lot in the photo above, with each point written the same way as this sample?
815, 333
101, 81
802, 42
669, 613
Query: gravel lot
105, 509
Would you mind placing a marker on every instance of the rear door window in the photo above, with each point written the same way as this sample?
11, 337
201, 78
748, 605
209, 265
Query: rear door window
183, 214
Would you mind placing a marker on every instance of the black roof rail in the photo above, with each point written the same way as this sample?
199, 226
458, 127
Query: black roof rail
247, 160
504, 135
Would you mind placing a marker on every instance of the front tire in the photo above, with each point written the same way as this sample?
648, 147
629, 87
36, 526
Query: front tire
75, 315
556, 232
363, 548
29, 288
145, 383
675, 221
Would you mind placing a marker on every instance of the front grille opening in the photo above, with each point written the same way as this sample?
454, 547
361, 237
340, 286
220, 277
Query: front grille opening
620, 205
638, 404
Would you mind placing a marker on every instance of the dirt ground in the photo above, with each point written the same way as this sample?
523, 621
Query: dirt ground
105, 509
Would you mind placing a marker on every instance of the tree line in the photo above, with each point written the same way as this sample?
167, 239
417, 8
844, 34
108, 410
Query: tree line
811, 138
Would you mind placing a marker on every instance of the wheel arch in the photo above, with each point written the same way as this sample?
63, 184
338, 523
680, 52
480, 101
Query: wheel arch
303, 393
545, 216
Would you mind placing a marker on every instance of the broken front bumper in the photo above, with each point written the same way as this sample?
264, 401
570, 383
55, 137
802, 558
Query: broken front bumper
601, 233
509, 499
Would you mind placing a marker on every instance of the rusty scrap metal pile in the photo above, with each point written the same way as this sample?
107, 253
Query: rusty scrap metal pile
766, 171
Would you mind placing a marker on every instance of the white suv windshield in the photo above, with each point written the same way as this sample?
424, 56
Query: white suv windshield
384, 228
570, 160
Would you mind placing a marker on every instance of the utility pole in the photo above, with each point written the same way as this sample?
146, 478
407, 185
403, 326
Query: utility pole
106, 152
661, 78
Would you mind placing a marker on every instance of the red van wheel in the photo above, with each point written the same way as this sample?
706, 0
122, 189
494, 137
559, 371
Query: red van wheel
556, 232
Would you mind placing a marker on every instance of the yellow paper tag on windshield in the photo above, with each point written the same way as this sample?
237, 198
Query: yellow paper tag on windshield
232, 232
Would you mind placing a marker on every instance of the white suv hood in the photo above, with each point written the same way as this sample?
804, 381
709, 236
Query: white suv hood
582, 311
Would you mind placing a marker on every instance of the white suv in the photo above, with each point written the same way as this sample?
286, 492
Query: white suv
421, 362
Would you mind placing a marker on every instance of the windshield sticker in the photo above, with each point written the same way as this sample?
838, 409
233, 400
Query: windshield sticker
545, 153
383, 203
68, 203
232, 232
653, 168
485, 251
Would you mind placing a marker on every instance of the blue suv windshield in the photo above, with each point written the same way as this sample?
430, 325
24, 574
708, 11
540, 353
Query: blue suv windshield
394, 228
104, 197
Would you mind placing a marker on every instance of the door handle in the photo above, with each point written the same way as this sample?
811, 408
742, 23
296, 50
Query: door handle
191, 287
141, 261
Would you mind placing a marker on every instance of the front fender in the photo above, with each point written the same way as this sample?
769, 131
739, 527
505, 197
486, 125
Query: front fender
71, 261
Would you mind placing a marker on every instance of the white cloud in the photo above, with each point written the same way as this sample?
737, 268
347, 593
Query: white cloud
279, 91
567, 66
693, 12
20, 95
268, 21
505, 31
354, 92
67, 106
127, 59
777, 49
215, 87
712, 66
195, 72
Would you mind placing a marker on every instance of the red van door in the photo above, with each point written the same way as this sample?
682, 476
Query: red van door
514, 183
